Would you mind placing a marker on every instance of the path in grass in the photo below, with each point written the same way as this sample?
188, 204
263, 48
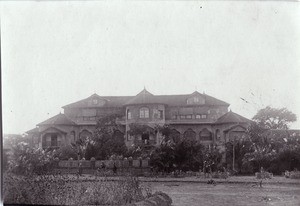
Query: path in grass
189, 194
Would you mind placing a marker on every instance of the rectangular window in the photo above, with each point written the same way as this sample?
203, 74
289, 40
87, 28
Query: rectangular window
203, 116
174, 117
198, 116
142, 114
189, 116
147, 113
182, 116
160, 114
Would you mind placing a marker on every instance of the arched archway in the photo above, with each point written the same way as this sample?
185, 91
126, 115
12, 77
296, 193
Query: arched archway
174, 135
85, 134
189, 135
205, 135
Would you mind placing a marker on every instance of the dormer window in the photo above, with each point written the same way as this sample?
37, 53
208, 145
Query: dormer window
95, 101
144, 112
195, 100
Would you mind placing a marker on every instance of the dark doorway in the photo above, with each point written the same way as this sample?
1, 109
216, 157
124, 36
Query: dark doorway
145, 138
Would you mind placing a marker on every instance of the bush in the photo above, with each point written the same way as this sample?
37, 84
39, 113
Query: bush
25, 160
63, 190
295, 175
221, 175
66, 152
263, 175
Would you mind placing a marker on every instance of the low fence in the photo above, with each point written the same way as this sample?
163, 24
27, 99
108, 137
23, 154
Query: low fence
144, 163
104, 167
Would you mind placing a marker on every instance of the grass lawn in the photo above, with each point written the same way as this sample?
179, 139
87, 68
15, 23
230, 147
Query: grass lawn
187, 191
198, 194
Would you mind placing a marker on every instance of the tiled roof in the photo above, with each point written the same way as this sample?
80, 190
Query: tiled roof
110, 101
34, 130
60, 119
142, 98
55, 129
145, 97
231, 117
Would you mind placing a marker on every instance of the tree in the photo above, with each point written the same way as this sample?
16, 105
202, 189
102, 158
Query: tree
106, 140
262, 150
211, 158
163, 157
273, 118
241, 148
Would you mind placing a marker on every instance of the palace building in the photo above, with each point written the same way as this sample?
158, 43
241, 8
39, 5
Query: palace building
193, 116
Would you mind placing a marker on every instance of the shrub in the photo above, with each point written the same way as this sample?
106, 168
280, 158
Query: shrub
263, 175
65, 190
295, 175
66, 152
221, 175
25, 160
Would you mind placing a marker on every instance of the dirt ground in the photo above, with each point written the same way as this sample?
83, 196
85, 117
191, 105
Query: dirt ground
189, 194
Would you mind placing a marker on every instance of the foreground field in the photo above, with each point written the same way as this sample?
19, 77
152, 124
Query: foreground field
190, 191
190, 194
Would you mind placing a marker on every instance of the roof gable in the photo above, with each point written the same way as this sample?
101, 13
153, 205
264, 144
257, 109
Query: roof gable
236, 128
231, 117
53, 130
34, 130
145, 97
60, 119
102, 101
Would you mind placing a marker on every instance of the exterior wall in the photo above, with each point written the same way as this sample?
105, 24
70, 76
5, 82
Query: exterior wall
87, 115
152, 121
86, 118
173, 114
197, 129
135, 114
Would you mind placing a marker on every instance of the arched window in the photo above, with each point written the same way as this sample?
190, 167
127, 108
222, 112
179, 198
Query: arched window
190, 135
144, 112
205, 135
129, 115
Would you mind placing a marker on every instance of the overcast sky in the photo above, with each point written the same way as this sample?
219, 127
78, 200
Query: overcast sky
56, 53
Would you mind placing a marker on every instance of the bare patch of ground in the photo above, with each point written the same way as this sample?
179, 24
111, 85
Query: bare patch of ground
189, 194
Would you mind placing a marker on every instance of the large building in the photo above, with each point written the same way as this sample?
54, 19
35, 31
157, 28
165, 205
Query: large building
194, 116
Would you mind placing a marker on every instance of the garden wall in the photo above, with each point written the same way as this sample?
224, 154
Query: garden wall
137, 167
107, 163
